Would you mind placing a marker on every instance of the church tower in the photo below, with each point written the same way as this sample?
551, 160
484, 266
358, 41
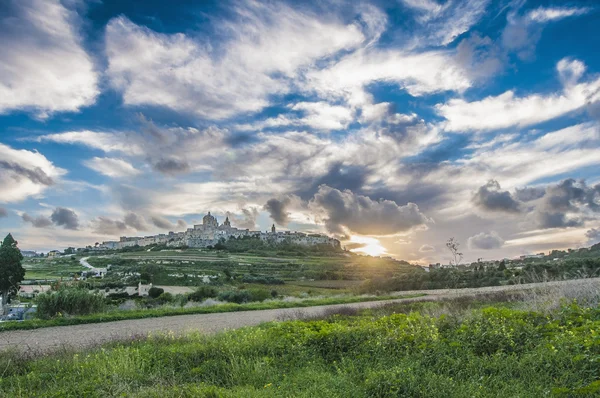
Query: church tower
273, 229
227, 223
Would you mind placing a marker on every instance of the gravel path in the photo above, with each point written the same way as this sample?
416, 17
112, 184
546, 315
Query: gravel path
82, 336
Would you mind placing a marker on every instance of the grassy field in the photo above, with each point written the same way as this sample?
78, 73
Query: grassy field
188, 267
495, 351
42, 269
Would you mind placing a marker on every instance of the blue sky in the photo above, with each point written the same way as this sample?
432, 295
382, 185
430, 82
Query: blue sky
392, 125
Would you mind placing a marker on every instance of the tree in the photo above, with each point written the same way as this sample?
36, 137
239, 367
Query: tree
11, 270
457, 256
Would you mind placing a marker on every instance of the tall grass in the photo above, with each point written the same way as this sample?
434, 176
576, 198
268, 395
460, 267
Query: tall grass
69, 301
490, 352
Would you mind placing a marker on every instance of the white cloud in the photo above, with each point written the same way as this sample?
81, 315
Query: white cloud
43, 67
570, 70
267, 45
318, 115
542, 14
485, 241
323, 116
417, 73
25, 173
508, 110
107, 142
111, 167
443, 23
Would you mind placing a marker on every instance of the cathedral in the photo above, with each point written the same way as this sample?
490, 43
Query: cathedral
210, 233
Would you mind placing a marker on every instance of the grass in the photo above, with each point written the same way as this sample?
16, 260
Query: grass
486, 352
170, 311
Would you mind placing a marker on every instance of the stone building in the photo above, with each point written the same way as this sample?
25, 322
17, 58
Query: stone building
210, 232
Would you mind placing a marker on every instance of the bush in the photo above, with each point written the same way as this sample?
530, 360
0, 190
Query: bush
202, 293
259, 294
72, 301
154, 292
237, 296
165, 297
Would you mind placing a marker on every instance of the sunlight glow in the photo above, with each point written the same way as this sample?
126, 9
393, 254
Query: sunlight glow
372, 246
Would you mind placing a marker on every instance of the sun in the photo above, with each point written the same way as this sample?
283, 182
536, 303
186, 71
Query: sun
372, 246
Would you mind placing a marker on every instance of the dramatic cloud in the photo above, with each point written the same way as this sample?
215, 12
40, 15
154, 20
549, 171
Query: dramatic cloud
43, 66
66, 218
277, 210
106, 226
342, 210
490, 197
60, 216
528, 194
565, 204
485, 241
164, 223
168, 150
3, 212
508, 109
218, 80
135, 221
247, 220
24, 173
110, 167
38, 222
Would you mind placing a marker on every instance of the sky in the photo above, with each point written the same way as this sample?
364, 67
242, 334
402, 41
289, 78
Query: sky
391, 125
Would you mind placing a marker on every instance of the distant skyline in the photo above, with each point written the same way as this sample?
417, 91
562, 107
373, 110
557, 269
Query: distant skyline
391, 125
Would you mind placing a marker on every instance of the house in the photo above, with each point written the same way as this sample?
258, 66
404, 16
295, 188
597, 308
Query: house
143, 289
53, 253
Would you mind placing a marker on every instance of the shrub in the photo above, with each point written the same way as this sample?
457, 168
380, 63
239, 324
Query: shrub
237, 296
259, 294
154, 292
72, 301
165, 297
202, 293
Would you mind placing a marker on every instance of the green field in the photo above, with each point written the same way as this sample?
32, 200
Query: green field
494, 351
341, 270
51, 269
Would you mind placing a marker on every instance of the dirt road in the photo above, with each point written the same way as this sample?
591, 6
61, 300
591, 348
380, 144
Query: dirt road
82, 336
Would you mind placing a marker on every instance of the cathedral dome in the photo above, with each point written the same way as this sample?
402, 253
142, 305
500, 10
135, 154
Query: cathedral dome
209, 220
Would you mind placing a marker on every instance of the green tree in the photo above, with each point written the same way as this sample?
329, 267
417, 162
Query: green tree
11, 270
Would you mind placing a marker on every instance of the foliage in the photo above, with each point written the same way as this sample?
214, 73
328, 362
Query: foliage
236, 296
154, 291
69, 301
493, 352
202, 293
266, 280
11, 270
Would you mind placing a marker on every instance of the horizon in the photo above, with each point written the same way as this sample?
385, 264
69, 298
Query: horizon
389, 125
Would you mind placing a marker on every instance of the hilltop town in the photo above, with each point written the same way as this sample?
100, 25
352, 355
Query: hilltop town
209, 233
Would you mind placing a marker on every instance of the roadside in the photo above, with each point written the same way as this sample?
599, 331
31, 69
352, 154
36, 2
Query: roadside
40, 341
